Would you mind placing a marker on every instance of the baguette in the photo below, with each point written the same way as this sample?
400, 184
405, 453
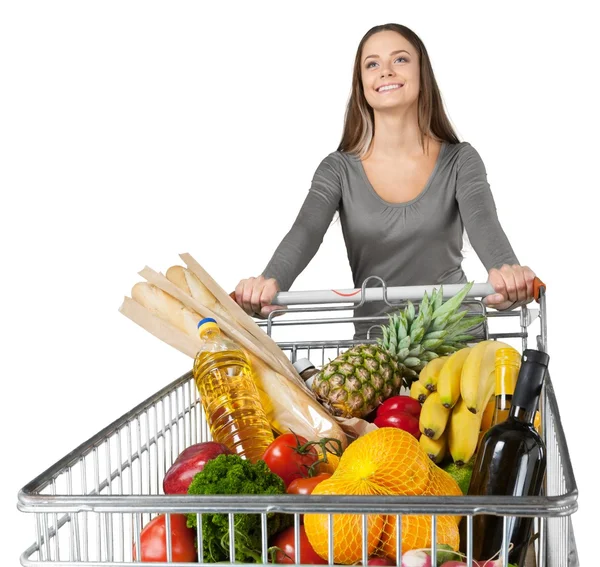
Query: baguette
241, 317
166, 307
293, 408
239, 335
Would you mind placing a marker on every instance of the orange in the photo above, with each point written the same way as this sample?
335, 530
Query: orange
416, 533
347, 530
442, 484
389, 461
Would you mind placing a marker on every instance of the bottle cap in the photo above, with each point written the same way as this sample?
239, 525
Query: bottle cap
303, 364
508, 356
207, 323
538, 356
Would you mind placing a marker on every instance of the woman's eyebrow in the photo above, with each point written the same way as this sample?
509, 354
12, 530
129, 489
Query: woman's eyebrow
392, 53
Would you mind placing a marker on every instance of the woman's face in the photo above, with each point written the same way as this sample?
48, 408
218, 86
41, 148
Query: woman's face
388, 58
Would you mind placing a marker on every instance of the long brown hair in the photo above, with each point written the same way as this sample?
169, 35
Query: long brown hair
359, 123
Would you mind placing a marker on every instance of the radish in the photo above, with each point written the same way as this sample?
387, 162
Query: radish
416, 558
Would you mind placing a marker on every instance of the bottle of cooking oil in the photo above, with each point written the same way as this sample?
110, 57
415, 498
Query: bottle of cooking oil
229, 395
507, 366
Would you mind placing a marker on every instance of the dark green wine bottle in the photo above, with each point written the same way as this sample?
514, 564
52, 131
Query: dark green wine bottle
511, 461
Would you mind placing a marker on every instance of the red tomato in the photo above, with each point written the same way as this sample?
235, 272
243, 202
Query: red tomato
404, 404
306, 485
285, 542
153, 540
289, 458
400, 420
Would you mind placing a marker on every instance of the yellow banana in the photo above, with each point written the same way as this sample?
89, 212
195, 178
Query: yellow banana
434, 417
477, 382
418, 391
463, 432
448, 384
436, 449
431, 371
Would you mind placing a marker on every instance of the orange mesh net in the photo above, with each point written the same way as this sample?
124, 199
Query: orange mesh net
387, 461
416, 533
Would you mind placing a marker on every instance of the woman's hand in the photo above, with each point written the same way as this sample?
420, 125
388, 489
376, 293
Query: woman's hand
254, 296
513, 286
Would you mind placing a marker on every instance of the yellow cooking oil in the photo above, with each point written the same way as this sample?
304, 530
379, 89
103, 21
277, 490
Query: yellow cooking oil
230, 398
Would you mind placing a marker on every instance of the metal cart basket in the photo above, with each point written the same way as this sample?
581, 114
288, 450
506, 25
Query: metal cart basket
90, 507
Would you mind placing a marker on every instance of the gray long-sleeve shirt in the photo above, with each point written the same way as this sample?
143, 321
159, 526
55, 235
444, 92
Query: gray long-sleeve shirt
412, 243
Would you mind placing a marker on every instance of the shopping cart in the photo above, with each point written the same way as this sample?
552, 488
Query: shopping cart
90, 507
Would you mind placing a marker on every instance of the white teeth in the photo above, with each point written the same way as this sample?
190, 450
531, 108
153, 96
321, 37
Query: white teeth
388, 88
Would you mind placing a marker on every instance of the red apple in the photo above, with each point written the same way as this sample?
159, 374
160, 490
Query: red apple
191, 461
400, 420
404, 404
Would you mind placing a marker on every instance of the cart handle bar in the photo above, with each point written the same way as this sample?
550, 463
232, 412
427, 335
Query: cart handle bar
396, 294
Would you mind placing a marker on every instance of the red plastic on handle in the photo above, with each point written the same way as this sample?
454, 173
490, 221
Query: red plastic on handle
538, 284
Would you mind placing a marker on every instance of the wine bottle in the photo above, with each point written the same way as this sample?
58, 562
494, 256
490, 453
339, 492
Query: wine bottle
511, 461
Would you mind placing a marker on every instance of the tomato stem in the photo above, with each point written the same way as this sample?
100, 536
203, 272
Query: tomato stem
303, 449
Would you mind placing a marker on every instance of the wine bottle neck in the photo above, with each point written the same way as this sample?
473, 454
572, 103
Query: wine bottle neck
524, 415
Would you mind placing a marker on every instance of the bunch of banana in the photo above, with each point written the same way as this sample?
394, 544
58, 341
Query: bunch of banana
460, 388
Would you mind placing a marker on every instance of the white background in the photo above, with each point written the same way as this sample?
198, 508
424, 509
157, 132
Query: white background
134, 131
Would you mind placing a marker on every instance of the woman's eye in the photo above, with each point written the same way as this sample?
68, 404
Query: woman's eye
401, 58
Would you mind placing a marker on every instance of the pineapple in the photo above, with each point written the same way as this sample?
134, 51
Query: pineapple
360, 379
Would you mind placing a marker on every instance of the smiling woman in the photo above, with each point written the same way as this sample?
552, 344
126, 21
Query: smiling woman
406, 188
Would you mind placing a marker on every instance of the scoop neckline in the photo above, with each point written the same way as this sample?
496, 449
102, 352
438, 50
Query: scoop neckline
418, 196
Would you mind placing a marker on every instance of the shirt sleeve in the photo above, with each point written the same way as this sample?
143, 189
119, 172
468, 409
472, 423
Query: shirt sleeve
478, 212
303, 240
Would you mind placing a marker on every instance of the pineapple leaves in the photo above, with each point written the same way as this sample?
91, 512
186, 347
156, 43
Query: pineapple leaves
437, 298
410, 313
403, 353
412, 362
452, 304
457, 317
446, 349
420, 333
417, 334
431, 344
435, 335
429, 355
440, 323
463, 326
418, 350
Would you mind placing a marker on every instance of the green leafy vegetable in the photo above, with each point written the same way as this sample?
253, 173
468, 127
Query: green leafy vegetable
230, 474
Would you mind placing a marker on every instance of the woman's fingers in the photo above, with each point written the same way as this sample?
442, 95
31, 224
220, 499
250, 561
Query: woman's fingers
497, 300
521, 285
255, 295
513, 286
529, 279
257, 289
507, 273
245, 299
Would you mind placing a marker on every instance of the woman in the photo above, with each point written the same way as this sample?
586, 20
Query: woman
404, 186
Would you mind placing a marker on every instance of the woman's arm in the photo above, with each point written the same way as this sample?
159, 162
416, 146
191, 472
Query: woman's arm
300, 244
478, 212
303, 240
513, 283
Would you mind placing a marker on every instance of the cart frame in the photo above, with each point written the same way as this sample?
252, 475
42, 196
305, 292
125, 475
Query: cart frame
92, 504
